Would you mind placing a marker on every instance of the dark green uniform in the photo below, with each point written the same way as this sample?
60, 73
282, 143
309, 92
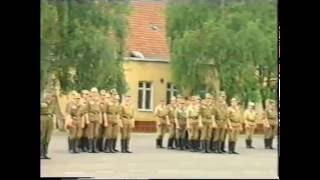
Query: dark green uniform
47, 112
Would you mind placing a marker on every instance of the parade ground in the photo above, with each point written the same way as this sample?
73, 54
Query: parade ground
149, 162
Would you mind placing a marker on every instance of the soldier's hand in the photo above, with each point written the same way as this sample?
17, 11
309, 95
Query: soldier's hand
105, 124
82, 126
178, 127
240, 128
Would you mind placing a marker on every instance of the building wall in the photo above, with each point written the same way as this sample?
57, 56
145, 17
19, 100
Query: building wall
137, 70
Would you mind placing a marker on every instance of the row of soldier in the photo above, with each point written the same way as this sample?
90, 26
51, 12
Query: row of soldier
203, 124
95, 119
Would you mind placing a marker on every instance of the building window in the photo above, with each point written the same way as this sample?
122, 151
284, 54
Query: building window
145, 96
171, 91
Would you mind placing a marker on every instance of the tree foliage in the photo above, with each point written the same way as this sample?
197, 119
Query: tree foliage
84, 37
235, 43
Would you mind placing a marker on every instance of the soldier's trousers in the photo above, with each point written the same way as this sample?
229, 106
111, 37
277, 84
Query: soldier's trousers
271, 131
206, 131
162, 128
93, 129
220, 131
75, 131
250, 131
181, 132
233, 134
46, 128
172, 130
111, 132
194, 131
126, 129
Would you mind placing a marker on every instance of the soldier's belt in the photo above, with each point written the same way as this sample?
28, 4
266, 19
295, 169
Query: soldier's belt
127, 116
194, 117
111, 113
162, 117
94, 112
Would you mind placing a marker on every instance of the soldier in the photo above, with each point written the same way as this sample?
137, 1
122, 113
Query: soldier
207, 122
47, 115
94, 119
250, 117
181, 116
72, 96
172, 127
84, 141
104, 98
112, 124
76, 125
162, 119
193, 121
221, 121
234, 123
270, 124
127, 124
223, 100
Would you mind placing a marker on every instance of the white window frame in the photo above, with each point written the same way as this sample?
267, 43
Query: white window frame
144, 89
171, 89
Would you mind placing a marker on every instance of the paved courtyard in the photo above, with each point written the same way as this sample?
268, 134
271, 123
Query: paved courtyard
149, 162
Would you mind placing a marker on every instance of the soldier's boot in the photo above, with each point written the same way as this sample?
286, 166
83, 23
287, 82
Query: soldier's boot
208, 146
211, 146
104, 144
42, 151
76, 146
85, 144
203, 146
123, 146
90, 143
250, 144
271, 143
218, 148
230, 147
266, 143
95, 145
214, 146
182, 144
69, 145
247, 143
234, 148
160, 143
107, 146
170, 143
222, 147
175, 143
72, 144
126, 142
79, 145
45, 151
111, 142
114, 145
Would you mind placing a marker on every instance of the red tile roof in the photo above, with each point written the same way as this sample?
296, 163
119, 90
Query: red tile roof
141, 37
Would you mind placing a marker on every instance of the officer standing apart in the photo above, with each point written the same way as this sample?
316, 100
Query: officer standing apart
162, 119
250, 118
172, 127
181, 116
47, 115
270, 124
234, 123
127, 123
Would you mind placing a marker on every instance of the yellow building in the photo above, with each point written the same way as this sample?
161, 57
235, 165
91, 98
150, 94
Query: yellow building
147, 67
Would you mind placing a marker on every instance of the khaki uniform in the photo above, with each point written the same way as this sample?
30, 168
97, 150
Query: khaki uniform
126, 116
250, 117
161, 114
113, 113
172, 126
84, 144
234, 116
206, 116
74, 110
194, 113
47, 111
220, 115
271, 131
94, 116
181, 114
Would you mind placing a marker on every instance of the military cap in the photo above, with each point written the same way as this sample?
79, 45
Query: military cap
208, 96
222, 93
234, 99
173, 98
102, 91
94, 89
179, 96
73, 93
271, 101
77, 96
84, 91
117, 97
113, 91
251, 104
